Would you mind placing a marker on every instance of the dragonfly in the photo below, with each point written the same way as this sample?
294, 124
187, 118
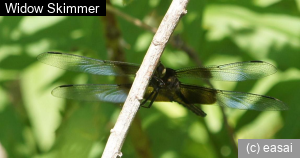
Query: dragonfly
165, 85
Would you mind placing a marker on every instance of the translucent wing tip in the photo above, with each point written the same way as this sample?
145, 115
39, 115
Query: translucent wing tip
272, 104
46, 53
40, 56
273, 69
57, 90
249, 101
43, 57
280, 105
258, 69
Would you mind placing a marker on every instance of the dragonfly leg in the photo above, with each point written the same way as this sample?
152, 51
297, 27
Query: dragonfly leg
155, 92
197, 110
153, 99
159, 80
142, 104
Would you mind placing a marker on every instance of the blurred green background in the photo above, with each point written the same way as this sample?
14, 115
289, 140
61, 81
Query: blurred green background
33, 123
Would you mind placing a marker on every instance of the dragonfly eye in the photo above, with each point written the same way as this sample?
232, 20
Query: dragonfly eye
161, 70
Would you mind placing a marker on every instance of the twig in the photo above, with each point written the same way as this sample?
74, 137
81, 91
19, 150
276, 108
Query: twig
135, 21
178, 43
137, 91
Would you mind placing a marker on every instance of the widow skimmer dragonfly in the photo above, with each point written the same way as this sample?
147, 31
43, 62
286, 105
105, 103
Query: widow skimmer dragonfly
165, 85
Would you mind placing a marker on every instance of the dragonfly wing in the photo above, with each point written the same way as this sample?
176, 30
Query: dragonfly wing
239, 71
102, 92
88, 65
249, 101
93, 92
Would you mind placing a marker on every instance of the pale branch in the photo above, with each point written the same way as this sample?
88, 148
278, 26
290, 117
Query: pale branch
113, 36
143, 76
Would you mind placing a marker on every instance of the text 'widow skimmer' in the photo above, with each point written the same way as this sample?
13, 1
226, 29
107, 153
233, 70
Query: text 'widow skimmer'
164, 85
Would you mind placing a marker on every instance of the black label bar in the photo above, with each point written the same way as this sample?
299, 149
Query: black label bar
53, 9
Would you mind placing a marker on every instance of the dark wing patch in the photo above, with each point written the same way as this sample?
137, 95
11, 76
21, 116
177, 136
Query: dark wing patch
198, 95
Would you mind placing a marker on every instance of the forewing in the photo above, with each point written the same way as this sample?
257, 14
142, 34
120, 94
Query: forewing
239, 71
88, 65
93, 92
101, 92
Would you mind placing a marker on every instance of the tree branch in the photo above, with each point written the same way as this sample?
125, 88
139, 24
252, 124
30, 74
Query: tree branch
113, 37
137, 91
